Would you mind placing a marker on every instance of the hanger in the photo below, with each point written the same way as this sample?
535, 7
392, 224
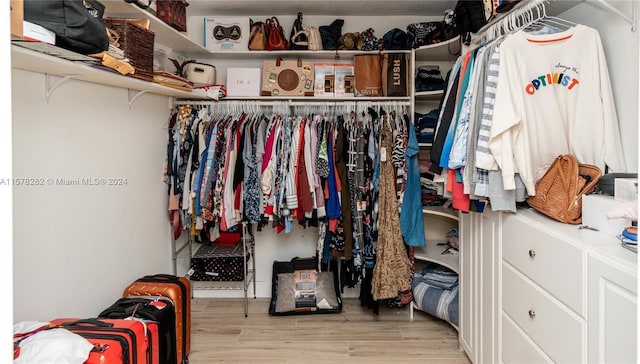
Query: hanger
551, 24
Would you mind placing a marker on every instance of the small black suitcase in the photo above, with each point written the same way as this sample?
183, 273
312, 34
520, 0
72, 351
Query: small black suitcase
158, 309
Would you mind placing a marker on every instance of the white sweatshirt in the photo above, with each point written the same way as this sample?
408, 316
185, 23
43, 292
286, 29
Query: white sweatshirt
553, 97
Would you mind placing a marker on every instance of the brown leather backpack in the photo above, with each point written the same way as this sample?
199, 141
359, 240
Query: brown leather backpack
559, 192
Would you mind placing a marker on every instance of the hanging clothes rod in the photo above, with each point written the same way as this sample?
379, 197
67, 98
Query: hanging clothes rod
527, 11
338, 102
634, 12
513, 19
290, 102
232, 102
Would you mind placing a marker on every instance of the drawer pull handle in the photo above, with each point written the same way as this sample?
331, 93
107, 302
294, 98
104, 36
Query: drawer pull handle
532, 253
532, 314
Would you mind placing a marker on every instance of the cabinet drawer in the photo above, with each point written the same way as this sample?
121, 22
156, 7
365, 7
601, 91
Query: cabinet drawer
554, 264
517, 347
558, 331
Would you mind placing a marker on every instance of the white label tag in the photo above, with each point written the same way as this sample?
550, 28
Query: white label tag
383, 154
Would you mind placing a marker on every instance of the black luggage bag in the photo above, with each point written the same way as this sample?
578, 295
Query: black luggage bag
158, 309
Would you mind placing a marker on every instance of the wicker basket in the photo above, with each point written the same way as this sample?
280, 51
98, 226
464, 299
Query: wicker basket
173, 12
137, 44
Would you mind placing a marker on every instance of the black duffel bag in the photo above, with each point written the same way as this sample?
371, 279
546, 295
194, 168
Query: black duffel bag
77, 24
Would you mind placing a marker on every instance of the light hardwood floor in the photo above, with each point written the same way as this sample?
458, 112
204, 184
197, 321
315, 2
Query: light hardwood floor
221, 333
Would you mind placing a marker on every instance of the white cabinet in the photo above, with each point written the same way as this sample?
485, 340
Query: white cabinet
545, 257
480, 241
548, 324
534, 290
543, 289
613, 303
469, 239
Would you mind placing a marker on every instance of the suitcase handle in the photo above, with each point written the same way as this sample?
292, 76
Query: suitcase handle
167, 277
87, 322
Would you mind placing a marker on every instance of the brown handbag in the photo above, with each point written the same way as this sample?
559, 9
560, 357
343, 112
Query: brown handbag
276, 40
257, 36
559, 192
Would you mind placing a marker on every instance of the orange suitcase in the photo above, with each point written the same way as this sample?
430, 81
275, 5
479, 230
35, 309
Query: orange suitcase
178, 289
128, 339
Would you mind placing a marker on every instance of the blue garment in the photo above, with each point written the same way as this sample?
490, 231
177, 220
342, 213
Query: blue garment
411, 222
448, 142
252, 193
333, 203
374, 154
196, 185
209, 175
288, 225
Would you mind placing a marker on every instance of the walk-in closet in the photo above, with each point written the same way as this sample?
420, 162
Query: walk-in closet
414, 202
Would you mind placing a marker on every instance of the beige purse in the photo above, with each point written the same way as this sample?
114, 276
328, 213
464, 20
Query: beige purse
314, 42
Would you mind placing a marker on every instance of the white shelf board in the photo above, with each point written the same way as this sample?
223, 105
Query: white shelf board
320, 7
312, 99
433, 253
429, 95
29, 60
164, 33
441, 211
345, 56
444, 51
425, 145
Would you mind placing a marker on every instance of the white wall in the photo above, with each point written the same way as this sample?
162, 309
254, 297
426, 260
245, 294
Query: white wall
6, 233
77, 247
621, 49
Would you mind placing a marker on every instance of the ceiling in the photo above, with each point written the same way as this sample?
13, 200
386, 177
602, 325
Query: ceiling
319, 7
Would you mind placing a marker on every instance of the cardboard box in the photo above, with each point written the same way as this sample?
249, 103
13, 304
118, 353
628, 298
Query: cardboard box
243, 81
226, 34
594, 214
324, 80
344, 80
17, 17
